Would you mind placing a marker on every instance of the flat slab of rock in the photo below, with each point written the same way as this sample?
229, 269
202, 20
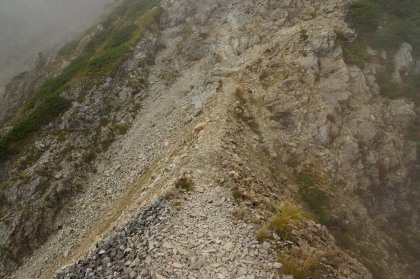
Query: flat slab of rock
177, 265
228, 247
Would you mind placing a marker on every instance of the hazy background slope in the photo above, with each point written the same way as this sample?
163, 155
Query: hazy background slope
31, 26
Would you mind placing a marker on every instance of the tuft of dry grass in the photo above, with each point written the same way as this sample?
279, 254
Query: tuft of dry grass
297, 268
239, 214
177, 204
299, 265
170, 194
185, 183
262, 235
238, 195
286, 218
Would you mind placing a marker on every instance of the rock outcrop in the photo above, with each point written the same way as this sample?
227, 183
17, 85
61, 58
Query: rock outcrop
403, 61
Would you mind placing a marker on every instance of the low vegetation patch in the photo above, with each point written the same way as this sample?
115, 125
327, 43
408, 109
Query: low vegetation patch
355, 53
52, 107
68, 48
238, 195
303, 34
410, 239
244, 113
185, 183
89, 156
346, 240
122, 35
391, 89
4, 204
262, 235
239, 214
107, 60
122, 128
292, 162
383, 24
299, 265
370, 260
311, 183
287, 217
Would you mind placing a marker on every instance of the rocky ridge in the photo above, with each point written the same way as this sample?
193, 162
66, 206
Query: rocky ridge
202, 241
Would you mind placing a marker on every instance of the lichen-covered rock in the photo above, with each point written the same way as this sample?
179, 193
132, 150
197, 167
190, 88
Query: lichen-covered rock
403, 61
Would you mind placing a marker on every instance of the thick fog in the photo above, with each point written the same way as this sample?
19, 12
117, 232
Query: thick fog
30, 26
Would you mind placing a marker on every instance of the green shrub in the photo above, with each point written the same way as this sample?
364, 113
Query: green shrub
292, 162
68, 48
346, 240
122, 35
52, 107
389, 88
107, 60
400, 30
401, 8
89, 157
399, 23
412, 88
392, 89
303, 34
370, 260
122, 128
317, 199
97, 40
355, 53
414, 133
364, 16
4, 203
54, 86
4, 151
410, 239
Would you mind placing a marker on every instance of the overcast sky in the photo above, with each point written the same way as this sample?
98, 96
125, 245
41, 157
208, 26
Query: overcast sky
30, 26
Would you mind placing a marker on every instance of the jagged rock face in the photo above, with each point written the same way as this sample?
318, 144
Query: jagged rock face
337, 111
16, 93
403, 61
297, 100
329, 114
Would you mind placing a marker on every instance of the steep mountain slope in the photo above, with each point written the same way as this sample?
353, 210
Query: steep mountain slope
232, 113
